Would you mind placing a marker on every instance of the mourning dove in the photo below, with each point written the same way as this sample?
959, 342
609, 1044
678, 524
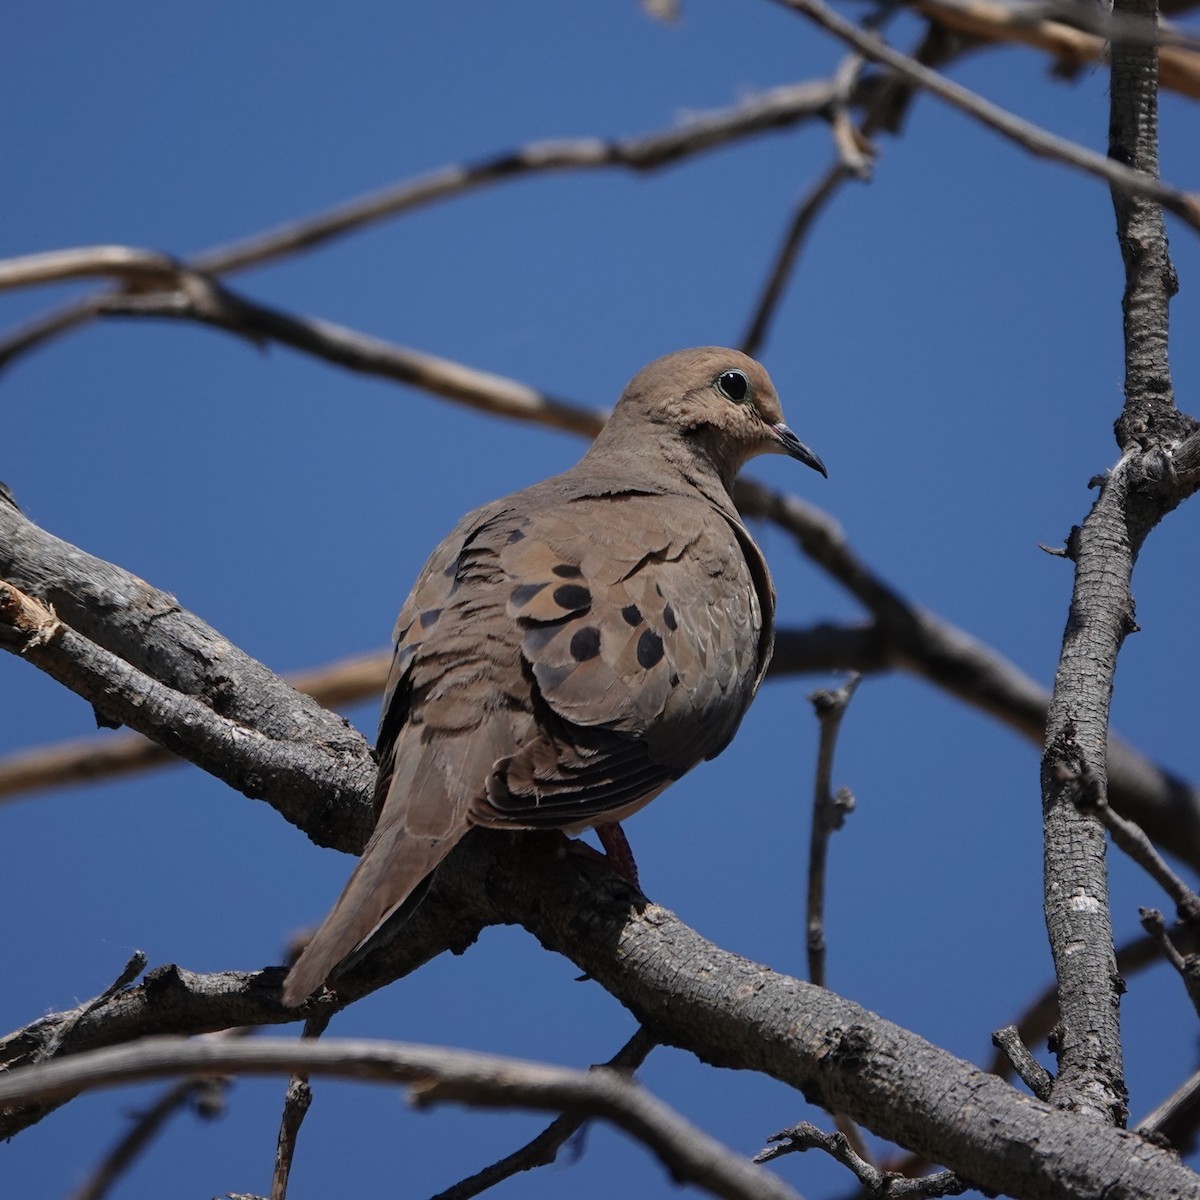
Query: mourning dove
570, 650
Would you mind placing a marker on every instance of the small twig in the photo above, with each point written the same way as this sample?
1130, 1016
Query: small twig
1187, 965
434, 1076
543, 1149
204, 1094
829, 815
1041, 1015
134, 265
1131, 838
785, 257
806, 1136
1036, 140
853, 161
1035, 1077
829, 812
1177, 1117
129, 972
296, 1103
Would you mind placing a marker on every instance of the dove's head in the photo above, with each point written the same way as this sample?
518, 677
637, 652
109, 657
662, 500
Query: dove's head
720, 403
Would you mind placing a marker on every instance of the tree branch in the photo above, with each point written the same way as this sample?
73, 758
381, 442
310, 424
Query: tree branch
147, 628
908, 636
1134, 496
779, 108
1072, 46
543, 1149
291, 775
434, 1076
1031, 137
129, 634
689, 993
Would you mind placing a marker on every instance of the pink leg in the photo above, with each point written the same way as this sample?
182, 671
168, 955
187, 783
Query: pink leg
617, 851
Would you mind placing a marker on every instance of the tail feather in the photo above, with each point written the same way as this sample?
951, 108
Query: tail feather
392, 868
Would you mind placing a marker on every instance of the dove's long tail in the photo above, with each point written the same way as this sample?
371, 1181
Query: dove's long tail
393, 869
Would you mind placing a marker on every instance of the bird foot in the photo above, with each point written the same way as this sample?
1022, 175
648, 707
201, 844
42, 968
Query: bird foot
617, 855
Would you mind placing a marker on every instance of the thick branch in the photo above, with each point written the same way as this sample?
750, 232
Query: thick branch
87, 759
148, 629
690, 993
245, 759
155, 649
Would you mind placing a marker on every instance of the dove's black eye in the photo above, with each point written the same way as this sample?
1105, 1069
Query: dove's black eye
733, 385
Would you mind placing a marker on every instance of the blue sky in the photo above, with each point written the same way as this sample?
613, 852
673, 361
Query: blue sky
950, 345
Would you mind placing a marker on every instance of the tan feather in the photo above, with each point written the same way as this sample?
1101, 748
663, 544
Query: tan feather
570, 650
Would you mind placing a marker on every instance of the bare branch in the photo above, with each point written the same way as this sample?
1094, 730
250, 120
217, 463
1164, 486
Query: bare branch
908, 636
124, 262
829, 812
828, 815
1130, 504
1034, 139
134, 636
692, 994
295, 1108
543, 1149
855, 157
247, 760
205, 1094
806, 1136
1187, 965
1177, 1117
88, 759
1130, 837
784, 264
220, 308
1072, 46
779, 108
1035, 1077
434, 1076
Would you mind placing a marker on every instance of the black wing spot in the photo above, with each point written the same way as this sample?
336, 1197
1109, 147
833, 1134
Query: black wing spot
572, 596
524, 592
674, 679
632, 614
669, 618
516, 536
566, 570
585, 643
429, 617
649, 648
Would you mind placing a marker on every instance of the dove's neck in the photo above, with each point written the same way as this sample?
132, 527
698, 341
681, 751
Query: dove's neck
665, 459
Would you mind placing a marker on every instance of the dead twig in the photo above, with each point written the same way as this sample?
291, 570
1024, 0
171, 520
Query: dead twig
543, 1149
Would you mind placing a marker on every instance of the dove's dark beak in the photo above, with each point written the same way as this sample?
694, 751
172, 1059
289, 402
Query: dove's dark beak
793, 447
